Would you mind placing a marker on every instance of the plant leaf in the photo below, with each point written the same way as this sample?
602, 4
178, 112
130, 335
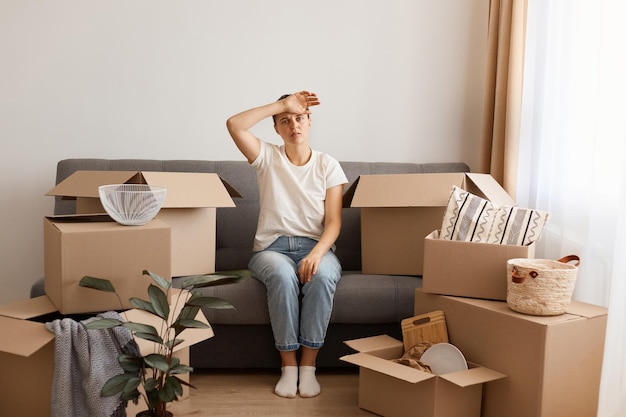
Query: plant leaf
150, 385
210, 302
151, 337
160, 281
130, 363
181, 324
115, 385
171, 389
221, 278
193, 324
174, 362
140, 328
181, 369
189, 311
154, 360
158, 299
184, 382
130, 391
142, 305
99, 284
173, 343
103, 324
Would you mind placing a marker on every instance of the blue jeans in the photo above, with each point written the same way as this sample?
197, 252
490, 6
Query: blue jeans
276, 267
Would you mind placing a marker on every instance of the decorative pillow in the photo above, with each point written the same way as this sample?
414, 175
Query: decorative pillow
517, 226
471, 218
468, 217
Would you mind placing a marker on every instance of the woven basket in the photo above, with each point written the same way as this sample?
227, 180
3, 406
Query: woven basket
541, 287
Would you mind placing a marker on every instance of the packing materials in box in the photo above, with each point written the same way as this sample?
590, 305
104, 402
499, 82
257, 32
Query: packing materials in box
553, 364
399, 210
469, 269
190, 209
75, 247
27, 355
394, 390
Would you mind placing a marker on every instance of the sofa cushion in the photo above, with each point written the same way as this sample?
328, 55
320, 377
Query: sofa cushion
357, 300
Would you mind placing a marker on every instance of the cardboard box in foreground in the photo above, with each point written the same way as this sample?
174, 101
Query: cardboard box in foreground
395, 390
27, 355
74, 248
190, 209
553, 364
468, 269
399, 210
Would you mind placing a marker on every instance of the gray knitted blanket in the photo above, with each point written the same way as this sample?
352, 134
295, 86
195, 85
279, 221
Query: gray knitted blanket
84, 361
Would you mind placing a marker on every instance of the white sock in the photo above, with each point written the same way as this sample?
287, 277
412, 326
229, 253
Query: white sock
308, 387
287, 385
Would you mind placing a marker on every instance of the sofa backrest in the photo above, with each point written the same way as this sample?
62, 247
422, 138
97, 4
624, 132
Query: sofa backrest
236, 226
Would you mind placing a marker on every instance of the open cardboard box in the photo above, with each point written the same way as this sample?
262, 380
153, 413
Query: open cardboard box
395, 390
27, 354
553, 364
399, 210
190, 209
76, 246
468, 269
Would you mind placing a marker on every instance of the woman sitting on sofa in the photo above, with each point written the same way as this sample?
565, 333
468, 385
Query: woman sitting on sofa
299, 222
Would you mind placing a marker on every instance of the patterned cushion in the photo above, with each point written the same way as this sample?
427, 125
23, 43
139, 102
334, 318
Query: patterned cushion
471, 218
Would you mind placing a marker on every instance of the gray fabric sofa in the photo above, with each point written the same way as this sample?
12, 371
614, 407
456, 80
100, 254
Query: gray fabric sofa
365, 305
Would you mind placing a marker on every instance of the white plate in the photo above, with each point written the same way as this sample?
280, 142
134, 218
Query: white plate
444, 358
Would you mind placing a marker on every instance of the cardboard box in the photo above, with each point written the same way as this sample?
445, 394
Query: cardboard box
189, 207
394, 390
27, 356
399, 211
468, 269
553, 364
74, 248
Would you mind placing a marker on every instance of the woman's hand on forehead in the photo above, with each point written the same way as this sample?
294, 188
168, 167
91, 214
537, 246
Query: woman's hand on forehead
299, 103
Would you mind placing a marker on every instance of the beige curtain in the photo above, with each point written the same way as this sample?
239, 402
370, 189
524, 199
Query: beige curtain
503, 91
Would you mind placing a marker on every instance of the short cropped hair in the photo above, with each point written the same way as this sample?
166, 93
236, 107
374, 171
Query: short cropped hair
284, 96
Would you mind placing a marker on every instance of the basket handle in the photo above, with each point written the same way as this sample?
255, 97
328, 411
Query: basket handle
570, 258
519, 278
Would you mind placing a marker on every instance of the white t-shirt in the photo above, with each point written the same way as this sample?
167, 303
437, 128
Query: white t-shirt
292, 197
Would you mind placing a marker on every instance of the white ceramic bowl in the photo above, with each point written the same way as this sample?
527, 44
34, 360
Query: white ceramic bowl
132, 204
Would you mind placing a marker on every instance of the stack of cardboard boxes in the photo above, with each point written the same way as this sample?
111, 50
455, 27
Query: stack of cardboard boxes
179, 241
530, 366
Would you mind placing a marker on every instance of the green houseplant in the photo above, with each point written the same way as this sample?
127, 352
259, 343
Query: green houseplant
158, 373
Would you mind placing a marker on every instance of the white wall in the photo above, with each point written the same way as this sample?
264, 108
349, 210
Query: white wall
399, 80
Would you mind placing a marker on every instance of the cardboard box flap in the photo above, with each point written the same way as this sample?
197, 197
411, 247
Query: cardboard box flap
19, 335
86, 183
231, 190
23, 337
384, 366
402, 190
375, 344
29, 308
190, 336
348, 195
485, 186
586, 310
574, 311
186, 189
475, 375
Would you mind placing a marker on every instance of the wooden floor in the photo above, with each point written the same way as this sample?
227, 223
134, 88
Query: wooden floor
251, 393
